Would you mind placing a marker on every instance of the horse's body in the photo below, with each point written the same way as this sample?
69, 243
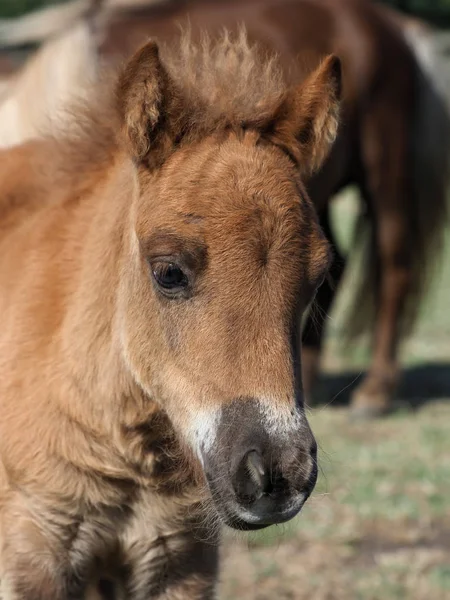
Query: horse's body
153, 260
393, 144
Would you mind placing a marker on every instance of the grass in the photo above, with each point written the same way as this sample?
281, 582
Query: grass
378, 525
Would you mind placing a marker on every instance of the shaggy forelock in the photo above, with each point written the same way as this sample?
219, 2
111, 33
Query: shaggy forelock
225, 82
227, 78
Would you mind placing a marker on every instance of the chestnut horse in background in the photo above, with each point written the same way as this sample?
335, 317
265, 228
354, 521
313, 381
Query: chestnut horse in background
393, 144
154, 258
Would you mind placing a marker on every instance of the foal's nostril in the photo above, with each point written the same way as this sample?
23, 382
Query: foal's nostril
252, 477
258, 473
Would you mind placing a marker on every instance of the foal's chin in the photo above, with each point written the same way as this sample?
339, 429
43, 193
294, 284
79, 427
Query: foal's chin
241, 519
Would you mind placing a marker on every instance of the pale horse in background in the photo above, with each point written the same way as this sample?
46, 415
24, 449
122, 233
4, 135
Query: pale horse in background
37, 26
35, 99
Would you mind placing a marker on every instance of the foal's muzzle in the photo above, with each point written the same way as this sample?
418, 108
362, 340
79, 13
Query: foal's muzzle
260, 474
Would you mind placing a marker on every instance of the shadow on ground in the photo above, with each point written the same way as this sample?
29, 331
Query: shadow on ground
420, 384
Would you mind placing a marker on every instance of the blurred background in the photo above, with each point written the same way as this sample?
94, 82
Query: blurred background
378, 526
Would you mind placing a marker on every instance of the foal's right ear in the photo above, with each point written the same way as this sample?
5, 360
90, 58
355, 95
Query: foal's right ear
145, 96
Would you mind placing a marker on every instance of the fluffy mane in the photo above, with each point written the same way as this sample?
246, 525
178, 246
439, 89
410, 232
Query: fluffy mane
228, 78
221, 83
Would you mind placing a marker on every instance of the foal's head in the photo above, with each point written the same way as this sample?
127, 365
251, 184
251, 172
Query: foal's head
225, 253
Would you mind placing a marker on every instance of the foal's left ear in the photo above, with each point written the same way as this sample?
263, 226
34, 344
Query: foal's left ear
146, 99
311, 115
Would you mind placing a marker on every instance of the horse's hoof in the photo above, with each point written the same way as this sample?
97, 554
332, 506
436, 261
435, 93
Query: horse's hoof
368, 409
375, 397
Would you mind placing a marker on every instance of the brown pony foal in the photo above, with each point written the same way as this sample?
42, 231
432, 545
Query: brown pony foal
153, 262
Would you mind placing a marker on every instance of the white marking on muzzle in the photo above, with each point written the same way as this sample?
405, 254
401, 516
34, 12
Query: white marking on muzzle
203, 431
280, 420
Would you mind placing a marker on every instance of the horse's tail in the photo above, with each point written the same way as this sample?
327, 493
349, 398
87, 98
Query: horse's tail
430, 159
429, 168
39, 25
431, 148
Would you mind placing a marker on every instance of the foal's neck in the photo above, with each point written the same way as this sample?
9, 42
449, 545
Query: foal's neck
91, 336
108, 397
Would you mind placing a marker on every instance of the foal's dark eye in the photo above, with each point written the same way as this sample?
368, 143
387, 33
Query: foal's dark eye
170, 277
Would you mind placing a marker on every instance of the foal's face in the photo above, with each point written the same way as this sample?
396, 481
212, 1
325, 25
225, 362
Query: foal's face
225, 253
228, 255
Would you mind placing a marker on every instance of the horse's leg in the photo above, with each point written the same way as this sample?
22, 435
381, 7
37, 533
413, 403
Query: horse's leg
178, 566
33, 566
172, 574
45, 552
384, 150
312, 336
